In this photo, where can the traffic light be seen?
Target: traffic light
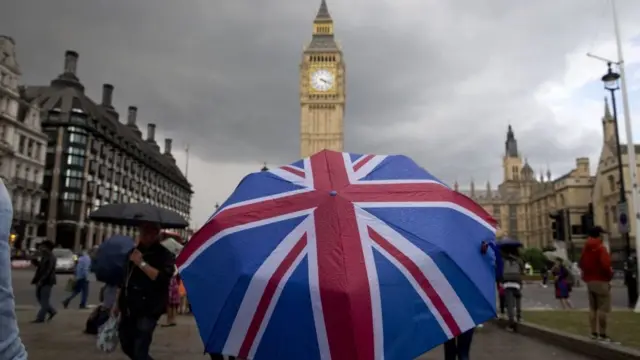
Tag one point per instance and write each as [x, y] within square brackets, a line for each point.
[558, 225]
[586, 220]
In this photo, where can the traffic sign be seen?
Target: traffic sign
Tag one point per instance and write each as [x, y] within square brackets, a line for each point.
[623, 218]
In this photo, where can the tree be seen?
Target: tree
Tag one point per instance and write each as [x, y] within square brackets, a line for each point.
[535, 257]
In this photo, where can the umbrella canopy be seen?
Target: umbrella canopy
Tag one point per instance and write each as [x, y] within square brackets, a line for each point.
[340, 256]
[508, 242]
[134, 214]
[110, 259]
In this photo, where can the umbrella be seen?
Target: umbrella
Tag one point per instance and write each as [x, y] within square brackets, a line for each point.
[133, 214]
[110, 259]
[508, 242]
[340, 256]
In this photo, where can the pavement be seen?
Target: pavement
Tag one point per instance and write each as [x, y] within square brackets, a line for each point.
[535, 297]
[62, 338]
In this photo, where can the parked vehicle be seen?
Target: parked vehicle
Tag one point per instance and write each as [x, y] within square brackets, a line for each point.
[65, 260]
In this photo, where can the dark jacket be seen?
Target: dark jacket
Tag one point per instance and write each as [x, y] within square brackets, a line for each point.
[139, 295]
[595, 262]
[46, 270]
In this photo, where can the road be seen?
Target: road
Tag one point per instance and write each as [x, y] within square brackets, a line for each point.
[534, 295]
[25, 295]
[62, 339]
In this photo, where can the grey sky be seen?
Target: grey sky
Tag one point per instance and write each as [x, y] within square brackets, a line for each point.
[437, 80]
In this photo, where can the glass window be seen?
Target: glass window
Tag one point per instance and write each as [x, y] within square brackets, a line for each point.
[71, 208]
[71, 196]
[75, 160]
[74, 183]
[22, 144]
[77, 138]
[76, 151]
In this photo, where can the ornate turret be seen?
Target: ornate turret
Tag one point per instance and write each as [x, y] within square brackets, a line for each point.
[473, 188]
[456, 186]
[488, 189]
[511, 144]
[322, 39]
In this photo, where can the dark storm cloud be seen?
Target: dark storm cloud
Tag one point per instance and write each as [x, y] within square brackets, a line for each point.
[437, 80]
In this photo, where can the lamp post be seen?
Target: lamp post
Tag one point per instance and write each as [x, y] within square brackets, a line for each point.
[611, 83]
[264, 168]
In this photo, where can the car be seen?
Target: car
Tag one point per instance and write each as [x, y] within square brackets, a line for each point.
[65, 260]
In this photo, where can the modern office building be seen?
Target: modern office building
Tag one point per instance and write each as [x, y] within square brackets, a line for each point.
[94, 159]
[22, 148]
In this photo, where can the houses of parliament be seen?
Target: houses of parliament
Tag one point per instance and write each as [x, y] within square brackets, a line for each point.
[523, 203]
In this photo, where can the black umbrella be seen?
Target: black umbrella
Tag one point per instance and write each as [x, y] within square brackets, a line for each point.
[135, 214]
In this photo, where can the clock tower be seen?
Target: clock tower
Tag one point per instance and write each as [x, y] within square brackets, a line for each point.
[322, 89]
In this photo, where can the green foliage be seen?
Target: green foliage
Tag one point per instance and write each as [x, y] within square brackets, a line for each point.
[535, 257]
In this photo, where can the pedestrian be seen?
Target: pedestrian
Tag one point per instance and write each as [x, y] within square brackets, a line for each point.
[184, 302]
[81, 281]
[45, 279]
[513, 269]
[501, 299]
[544, 273]
[174, 301]
[144, 291]
[597, 273]
[11, 347]
[563, 284]
[459, 347]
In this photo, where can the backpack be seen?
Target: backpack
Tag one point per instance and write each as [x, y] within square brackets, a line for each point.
[512, 270]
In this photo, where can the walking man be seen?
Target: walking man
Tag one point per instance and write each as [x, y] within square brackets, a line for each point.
[81, 285]
[513, 268]
[44, 280]
[597, 273]
[11, 347]
[144, 292]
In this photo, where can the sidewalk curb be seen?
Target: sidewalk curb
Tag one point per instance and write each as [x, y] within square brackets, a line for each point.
[574, 343]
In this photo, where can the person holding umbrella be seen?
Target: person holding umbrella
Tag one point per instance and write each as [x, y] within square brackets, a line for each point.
[143, 294]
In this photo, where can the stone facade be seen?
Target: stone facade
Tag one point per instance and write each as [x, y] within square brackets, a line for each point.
[523, 202]
[322, 89]
[606, 193]
[22, 147]
[93, 159]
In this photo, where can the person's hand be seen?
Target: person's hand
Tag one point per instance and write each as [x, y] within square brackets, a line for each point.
[484, 247]
[115, 311]
[136, 257]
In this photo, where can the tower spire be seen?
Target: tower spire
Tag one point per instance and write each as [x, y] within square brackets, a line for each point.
[607, 111]
[323, 12]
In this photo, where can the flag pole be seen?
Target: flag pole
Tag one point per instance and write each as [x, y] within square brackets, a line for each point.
[631, 149]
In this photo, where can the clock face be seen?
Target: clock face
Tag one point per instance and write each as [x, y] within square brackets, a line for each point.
[322, 80]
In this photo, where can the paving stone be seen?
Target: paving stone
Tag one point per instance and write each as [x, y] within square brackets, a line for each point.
[63, 339]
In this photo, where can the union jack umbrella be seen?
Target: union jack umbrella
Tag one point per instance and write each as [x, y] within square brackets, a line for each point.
[340, 256]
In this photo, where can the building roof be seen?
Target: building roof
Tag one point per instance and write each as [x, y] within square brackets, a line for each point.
[323, 42]
[66, 95]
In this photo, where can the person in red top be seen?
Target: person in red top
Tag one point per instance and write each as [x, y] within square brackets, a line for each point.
[597, 273]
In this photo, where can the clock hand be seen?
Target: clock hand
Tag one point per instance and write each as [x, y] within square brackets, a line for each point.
[324, 81]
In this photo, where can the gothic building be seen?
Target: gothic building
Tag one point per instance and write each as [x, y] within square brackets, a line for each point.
[93, 159]
[22, 148]
[522, 203]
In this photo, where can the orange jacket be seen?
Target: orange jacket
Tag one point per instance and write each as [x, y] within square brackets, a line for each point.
[595, 262]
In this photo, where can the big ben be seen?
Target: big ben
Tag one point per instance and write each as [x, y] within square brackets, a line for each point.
[322, 89]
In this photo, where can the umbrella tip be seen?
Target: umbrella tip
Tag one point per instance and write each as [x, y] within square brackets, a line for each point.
[333, 193]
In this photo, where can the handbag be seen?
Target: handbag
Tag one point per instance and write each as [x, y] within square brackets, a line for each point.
[108, 336]
[71, 285]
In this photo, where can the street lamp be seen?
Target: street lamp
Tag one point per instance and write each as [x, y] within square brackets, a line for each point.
[611, 83]
[264, 168]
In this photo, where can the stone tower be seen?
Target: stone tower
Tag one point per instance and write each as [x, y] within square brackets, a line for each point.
[322, 89]
[511, 162]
